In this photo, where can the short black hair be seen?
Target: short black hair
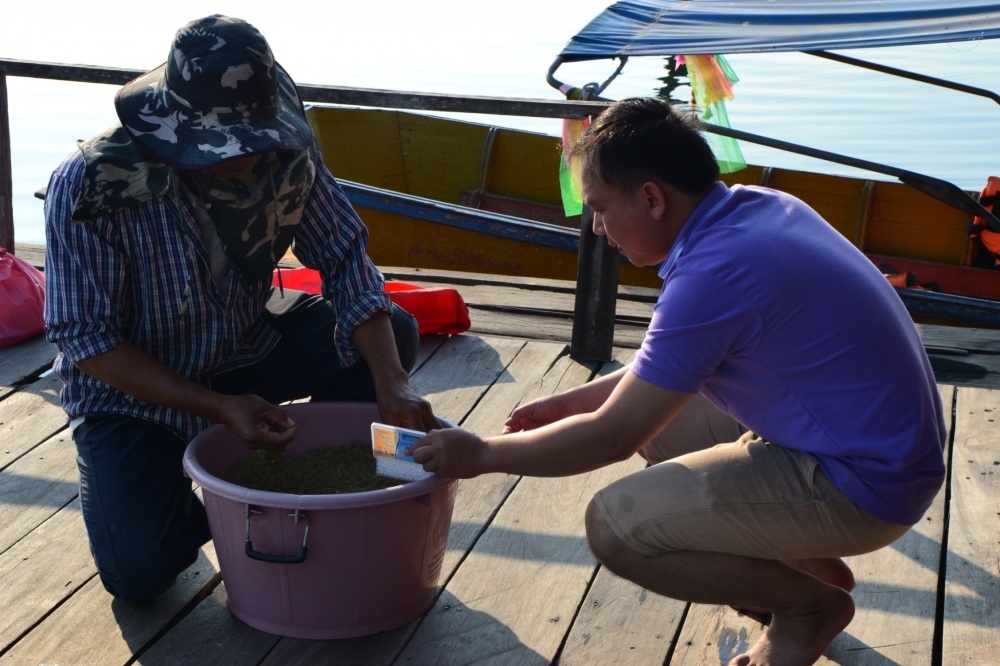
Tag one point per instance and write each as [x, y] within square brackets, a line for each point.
[643, 138]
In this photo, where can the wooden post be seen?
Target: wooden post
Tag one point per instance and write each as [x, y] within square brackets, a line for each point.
[596, 295]
[6, 181]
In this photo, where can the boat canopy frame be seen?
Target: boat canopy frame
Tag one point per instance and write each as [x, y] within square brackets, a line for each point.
[686, 27]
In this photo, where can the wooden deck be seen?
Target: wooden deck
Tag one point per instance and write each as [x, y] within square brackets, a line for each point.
[519, 585]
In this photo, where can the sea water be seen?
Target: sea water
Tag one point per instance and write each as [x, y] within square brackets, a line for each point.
[503, 50]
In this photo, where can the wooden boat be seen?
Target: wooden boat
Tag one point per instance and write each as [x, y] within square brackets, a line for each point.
[440, 193]
[448, 194]
[892, 225]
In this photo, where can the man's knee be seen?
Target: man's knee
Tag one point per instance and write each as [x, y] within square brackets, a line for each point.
[603, 540]
[144, 576]
[145, 588]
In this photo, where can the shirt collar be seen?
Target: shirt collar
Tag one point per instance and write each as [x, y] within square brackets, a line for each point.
[719, 193]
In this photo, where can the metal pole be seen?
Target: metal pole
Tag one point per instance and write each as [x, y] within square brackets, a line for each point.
[6, 182]
[596, 295]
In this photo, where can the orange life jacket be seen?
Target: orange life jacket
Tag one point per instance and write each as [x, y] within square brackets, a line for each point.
[989, 198]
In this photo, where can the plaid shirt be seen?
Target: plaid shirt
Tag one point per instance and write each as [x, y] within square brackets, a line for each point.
[141, 275]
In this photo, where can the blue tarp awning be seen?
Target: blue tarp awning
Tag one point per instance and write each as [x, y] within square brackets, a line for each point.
[689, 27]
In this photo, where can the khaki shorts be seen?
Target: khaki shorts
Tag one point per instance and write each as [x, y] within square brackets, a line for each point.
[746, 497]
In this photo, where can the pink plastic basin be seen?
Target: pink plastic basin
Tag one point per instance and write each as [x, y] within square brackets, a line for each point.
[322, 566]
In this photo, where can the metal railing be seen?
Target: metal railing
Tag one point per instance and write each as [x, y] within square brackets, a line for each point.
[593, 320]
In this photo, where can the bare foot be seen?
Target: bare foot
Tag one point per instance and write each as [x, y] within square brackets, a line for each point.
[798, 636]
[832, 570]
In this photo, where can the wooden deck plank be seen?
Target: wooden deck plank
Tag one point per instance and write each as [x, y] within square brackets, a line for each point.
[974, 369]
[36, 486]
[972, 588]
[375, 650]
[533, 549]
[28, 417]
[557, 328]
[210, 634]
[41, 571]
[92, 628]
[461, 279]
[24, 360]
[713, 635]
[429, 344]
[479, 499]
[515, 295]
[453, 379]
[969, 339]
[498, 306]
[620, 622]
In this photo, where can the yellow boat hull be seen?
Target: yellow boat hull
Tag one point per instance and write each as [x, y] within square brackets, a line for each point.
[463, 166]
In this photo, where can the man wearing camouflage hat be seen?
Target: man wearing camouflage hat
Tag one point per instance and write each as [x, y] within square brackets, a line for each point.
[162, 237]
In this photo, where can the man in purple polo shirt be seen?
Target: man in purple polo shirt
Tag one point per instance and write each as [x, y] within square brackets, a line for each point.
[781, 389]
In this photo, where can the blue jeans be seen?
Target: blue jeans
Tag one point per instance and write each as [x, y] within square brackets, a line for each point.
[144, 522]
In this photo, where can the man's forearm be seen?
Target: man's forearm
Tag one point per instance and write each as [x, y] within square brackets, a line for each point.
[132, 371]
[377, 344]
[592, 395]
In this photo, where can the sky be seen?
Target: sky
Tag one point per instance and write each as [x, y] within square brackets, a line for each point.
[495, 49]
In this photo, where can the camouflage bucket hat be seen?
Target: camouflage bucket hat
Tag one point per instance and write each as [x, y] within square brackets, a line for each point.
[219, 95]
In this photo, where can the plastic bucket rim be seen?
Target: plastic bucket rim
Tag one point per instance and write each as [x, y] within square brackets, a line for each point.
[405, 490]
[245, 495]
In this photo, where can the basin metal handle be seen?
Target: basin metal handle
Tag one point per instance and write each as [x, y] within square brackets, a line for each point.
[277, 559]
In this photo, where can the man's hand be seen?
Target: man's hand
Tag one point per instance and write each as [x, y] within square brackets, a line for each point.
[400, 406]
[257, 422]
[452, 453]
[551, 408]
[537, 413]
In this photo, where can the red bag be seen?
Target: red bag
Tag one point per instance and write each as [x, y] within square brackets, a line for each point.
[22, 298]
[438, 310]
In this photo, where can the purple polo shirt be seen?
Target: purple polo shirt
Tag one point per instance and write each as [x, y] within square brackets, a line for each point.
[778, 320]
